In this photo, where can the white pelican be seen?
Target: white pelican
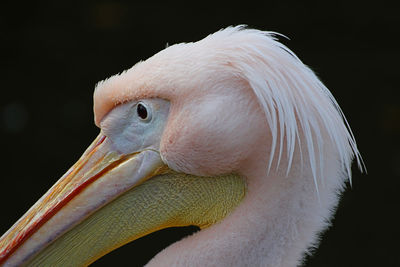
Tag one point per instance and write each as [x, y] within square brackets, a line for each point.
[232, 133]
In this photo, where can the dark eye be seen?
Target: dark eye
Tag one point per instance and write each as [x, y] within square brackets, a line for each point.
[142, 111]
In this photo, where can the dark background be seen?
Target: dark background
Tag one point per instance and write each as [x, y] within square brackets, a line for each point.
[53, 53]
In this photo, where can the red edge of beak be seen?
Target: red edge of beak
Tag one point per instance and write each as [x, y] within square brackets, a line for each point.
[18, 239]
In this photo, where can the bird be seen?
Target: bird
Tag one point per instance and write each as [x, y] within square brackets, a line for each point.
[232, 133]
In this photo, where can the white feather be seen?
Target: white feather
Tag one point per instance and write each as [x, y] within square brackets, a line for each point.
[293, 99]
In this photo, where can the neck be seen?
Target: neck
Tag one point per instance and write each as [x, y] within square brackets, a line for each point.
[279, 219]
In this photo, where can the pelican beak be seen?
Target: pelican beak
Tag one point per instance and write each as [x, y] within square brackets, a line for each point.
[97, 178]
[106, 200]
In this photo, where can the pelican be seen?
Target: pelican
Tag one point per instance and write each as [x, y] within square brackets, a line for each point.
[233, 134]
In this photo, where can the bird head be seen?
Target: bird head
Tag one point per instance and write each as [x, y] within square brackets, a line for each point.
[180, 136]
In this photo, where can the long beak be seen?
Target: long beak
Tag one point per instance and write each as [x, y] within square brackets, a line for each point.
[98, 177]
[106, 200]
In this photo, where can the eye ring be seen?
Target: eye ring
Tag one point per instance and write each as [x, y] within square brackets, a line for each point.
[142, 112]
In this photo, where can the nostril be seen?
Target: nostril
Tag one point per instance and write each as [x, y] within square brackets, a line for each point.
[101, 140]
[96, 143]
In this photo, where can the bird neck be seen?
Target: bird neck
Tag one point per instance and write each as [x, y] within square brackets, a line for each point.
[278, 220]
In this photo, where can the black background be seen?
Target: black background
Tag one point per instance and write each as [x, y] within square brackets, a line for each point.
[53, 53]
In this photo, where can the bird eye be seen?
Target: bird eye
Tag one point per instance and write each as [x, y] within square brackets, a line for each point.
[142, 111]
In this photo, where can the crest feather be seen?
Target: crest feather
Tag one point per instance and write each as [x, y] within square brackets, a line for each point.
[294, 100]
[297, 105]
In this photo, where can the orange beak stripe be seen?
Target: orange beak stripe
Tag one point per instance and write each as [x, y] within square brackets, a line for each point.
[50, 205]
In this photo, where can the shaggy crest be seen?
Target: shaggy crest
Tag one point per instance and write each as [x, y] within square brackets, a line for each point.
[289, 90]
[294, 100]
